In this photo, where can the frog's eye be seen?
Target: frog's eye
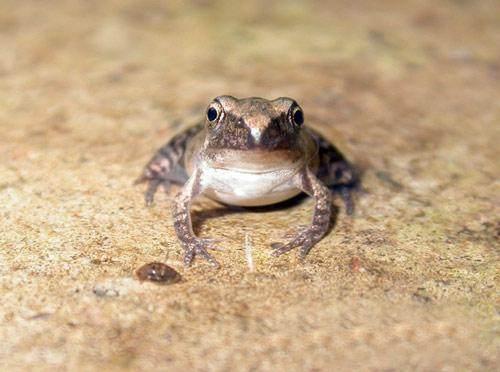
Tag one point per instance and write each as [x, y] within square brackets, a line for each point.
[214, 112]
[297, 116]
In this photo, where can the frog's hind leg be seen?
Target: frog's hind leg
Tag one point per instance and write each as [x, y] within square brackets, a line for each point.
[337, 172]
[166, 166]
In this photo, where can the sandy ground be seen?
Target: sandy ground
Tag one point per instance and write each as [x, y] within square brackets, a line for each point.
[410, 89]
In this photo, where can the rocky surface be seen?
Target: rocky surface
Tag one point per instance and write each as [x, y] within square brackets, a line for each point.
[88, 90]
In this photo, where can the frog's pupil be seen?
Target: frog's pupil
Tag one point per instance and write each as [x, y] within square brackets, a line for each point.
[298, 117]
[211, 114]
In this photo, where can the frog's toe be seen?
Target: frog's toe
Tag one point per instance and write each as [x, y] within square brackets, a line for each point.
[301, 241]
[153, 186]
[276, 245]
[199, 248]
[282, 248]
[304, 250]
[207, 256]
[188, 257]
[347, 193]
[149, 195]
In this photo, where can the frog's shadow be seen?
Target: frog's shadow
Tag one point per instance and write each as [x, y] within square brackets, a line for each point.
[199, 217]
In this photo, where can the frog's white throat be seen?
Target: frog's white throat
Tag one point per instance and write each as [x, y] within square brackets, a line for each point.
[250, 187]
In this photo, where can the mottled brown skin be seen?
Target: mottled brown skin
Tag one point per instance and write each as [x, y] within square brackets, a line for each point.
[260, 138]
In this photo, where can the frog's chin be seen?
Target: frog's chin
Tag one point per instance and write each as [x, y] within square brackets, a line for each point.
[262, 170]
[255, 162]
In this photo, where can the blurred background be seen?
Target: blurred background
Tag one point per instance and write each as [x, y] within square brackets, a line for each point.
[408, 89]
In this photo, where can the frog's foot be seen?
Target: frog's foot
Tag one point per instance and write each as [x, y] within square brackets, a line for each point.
[159, 175]
[304, 240]
[199, 247]
[346, 193]
[153, 185]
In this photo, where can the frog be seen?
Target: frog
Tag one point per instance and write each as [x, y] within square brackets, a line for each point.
[251, 152]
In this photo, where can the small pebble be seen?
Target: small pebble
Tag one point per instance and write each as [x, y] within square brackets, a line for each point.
[158, 272]
[101, 290]
[356, 266]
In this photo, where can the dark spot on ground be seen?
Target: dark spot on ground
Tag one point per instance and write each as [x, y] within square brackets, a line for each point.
[158, 272]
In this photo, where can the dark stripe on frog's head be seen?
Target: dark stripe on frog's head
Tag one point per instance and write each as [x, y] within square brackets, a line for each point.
[252, 123]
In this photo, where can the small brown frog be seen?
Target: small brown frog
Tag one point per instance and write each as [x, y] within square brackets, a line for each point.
[251, 152]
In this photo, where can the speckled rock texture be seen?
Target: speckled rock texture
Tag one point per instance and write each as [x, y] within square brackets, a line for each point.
[409, 89]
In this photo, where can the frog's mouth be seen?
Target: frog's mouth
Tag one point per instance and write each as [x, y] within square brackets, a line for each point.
[255, 162]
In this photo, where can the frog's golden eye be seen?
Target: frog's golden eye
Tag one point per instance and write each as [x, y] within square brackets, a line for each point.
[214, 112]
[297, 116]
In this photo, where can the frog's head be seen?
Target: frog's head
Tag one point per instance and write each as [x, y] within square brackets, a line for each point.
[253, 123]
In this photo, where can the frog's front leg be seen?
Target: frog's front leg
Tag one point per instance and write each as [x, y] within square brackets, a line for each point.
[183, 225]
[307, 238]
